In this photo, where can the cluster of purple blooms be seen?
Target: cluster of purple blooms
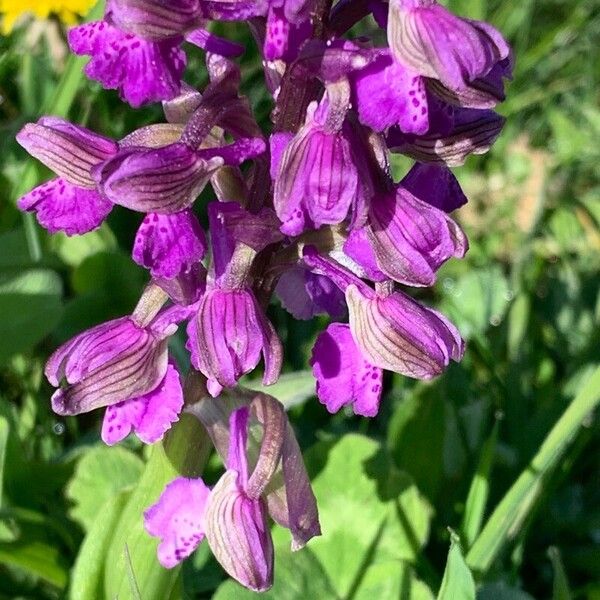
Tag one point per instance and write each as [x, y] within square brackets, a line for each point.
[314, 217]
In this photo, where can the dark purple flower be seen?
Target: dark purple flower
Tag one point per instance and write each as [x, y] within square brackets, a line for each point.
[459, 132]
[167, 180]
[429, 39]
[228, 336]
[344, 376]
[234, 514]
[109, 363]
[304, 294]
[169, 244]
[411, 238]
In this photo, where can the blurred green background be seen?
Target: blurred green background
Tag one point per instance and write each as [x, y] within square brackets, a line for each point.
[439, 456]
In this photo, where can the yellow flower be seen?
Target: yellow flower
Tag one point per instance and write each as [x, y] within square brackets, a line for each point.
[67, 10]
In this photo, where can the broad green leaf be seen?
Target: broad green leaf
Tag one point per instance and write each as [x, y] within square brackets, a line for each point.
[75, 249]
[86, 576]
[416, 438]
[479, 490]
[32, 298]
[36, 558]
[291, 389]
[391, 579]
[183, 452]
[508, 518]
[424, 440]
[457, 583]
[14, 249]
[560, 585]
[101, 473]
[298, 576]
[369, 511]
[473, 9]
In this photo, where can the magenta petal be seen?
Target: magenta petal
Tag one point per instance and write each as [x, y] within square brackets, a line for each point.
[61, 206]
[178, 519]
[388, 93]
[343, 375]
[169, 244]
[141, 70]
[150, 415]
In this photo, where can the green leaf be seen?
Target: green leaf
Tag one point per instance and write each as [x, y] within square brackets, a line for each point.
[508, 518]
[86, 576]
[560, 585]
[457, 583]
[376, 513]
[36, 558]
[3, 444]
[100, 474]
[298, 576]
[391, 579]
[73, 250]
[479, 490]
[291, 389]
[416, 438]
[32, 298]
[501, 591]
[183, 452]
[477, 299]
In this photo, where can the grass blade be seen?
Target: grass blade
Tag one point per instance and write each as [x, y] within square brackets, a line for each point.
[511, 513]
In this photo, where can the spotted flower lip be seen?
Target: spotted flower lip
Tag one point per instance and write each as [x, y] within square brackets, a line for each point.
[149, 415]
[168, 245]
[344, 376]
[428, 38]
[142, 71]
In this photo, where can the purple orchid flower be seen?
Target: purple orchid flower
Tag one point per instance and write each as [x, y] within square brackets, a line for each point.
[70, 202]
[393, 331]
[121, 362]
[233, 516]
[320, 177]
[428, 38]
[230, 331]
